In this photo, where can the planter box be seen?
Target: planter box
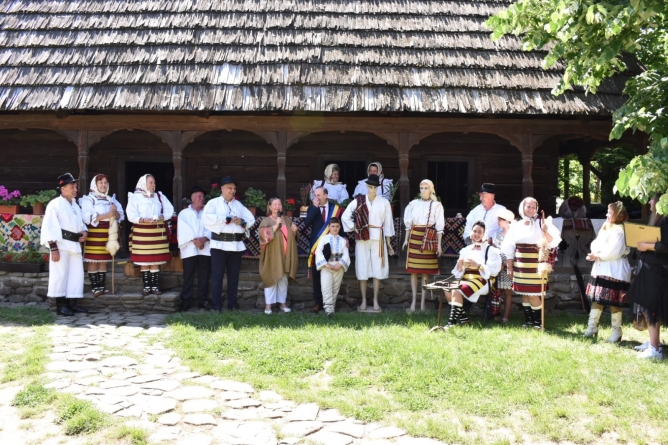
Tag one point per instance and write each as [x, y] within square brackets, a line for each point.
[21, 267]
[12, 210]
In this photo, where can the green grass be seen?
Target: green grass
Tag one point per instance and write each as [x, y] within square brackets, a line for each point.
[78, 416]
[470, 385]
[131, 435]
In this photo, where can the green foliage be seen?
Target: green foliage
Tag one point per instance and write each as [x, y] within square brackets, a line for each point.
[42, 196]
[393, 191]
[33, 395]
[593, 40]
[78, 416]
[255, 198]
[136, 436]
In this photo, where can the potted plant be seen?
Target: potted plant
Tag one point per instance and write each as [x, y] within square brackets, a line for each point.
[29, 260]
[214, 192]
[38, 201]
[305, 195]
[290, 204]
[254, 199]
[393, 191]
[9, 201]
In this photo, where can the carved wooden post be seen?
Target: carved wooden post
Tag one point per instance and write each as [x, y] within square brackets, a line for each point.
[527, 165]
[281, 154]
[585, 159]
[404, 183]
[82, 149]
[177, 182]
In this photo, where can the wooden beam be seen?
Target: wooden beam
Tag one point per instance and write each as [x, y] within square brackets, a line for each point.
[82, 149]
[404, 184]
[281, 154]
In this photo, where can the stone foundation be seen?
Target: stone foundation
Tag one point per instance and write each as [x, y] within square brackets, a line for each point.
[395, 292]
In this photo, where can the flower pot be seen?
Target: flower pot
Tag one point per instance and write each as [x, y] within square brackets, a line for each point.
[38, 208]
[303, 210]
[253, 210]
[289, 213]
[21, 267]
[12, 210]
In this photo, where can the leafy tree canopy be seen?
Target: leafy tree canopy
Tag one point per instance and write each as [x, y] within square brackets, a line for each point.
[594, 40]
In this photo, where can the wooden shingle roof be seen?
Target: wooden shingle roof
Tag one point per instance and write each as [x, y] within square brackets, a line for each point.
[265, 55]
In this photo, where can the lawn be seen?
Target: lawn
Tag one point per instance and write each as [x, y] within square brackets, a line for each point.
[474, 385]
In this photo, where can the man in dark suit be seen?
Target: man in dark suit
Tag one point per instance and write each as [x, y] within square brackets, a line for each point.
[317, 218]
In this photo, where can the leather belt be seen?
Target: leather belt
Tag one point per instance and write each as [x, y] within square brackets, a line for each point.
[70, 236]
[228, 237]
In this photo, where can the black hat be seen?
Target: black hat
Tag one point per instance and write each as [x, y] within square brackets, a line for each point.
[227, 180]
[196, 189]
[487, 187]
[373, 180]
[65, 179]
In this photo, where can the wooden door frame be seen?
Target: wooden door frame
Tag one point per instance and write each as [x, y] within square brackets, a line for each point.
[469, 160]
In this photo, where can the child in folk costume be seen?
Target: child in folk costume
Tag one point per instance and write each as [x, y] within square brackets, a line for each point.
[611, 274]
[332, 259]
[148, 210]
[63, 231]
[370, 217]
[478, 263]
[98, 210]
[521, 246]
[336, 191]
[503, 282]
[424, 220]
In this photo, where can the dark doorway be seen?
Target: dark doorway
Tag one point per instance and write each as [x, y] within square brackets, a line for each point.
[351, 172]
[451, 183]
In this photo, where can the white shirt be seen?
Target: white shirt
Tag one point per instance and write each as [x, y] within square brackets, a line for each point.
[489, 269]
[417, 214]
[215, 213]
[190, 226]
[491, 218]
[62, 215]
[139, 206]
[335, 192]
[384, 189]
[92, 207]
[610, 248]
[380, 215]
[338, 246]
[521, 233]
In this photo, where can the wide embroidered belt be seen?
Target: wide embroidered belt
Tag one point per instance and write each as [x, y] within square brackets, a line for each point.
[227, 237]
[70, 236]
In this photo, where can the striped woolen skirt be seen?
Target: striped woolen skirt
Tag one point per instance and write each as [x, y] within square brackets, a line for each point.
[425, 262]
[149, 244]
[526, 279]
[96, 244]
[471, 284]
[608, 291]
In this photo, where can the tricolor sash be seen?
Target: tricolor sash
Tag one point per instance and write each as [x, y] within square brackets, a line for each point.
[324, 230]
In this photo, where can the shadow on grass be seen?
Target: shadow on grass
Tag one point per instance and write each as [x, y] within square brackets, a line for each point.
[26, 316]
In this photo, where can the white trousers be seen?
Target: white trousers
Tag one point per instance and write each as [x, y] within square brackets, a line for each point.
[66, 277]
[330, 283]
[368, 263]
[277, 293]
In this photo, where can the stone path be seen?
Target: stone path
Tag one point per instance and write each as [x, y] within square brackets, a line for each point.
[116, 362]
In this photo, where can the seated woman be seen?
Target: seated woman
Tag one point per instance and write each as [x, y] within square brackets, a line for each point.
[336, 191]
[477, 263]
[278, 258]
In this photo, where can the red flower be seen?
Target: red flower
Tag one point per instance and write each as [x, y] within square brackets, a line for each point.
[214, 186]
[291, 201]
[16, 233]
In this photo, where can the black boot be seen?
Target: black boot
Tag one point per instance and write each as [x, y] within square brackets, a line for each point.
[69, 303]
[528, 318]
[155, 280]
[146, 278]
[61, 307]
[536, 314]
[92, 276]
[101, 283]
[455, 315]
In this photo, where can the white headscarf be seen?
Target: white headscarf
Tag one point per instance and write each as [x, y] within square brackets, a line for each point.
[380, 170]
[432, 191]
[94, 190]
[329, 171]
[522, 215]
[142, 187]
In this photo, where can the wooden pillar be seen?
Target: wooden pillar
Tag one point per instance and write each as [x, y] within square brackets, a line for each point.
[82, 149]
[585, 160]
[567, 177]
[404, 183]
[527, 165]
[177, 182]
[281, 154]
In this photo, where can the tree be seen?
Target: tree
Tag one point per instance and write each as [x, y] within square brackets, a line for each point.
[596, 39]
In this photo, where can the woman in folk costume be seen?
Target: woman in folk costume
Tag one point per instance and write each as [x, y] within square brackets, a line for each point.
[424, 220]
[98, 210]
[278, 255]
[521, 247]
[503, 282]
[336, 191]
[148, 210]
[384, 184]
[370, 217]
[611, 274]
[478, 263]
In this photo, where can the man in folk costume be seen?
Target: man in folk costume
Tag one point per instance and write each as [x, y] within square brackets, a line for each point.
[478, 264]
[332, 260]
[336, 191]
[370, 217]
[521, 246]
[384, 184]
[98, 210]
[318, 217]
[488, 210]
[424, 220]
[63, 231]
[150, 213]
[228, 220]
[195, 249]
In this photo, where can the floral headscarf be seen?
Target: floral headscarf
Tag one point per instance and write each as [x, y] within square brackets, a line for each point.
[142, 187]
[524, 201]
[94, 190]
[329, 171]
[432, 191]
